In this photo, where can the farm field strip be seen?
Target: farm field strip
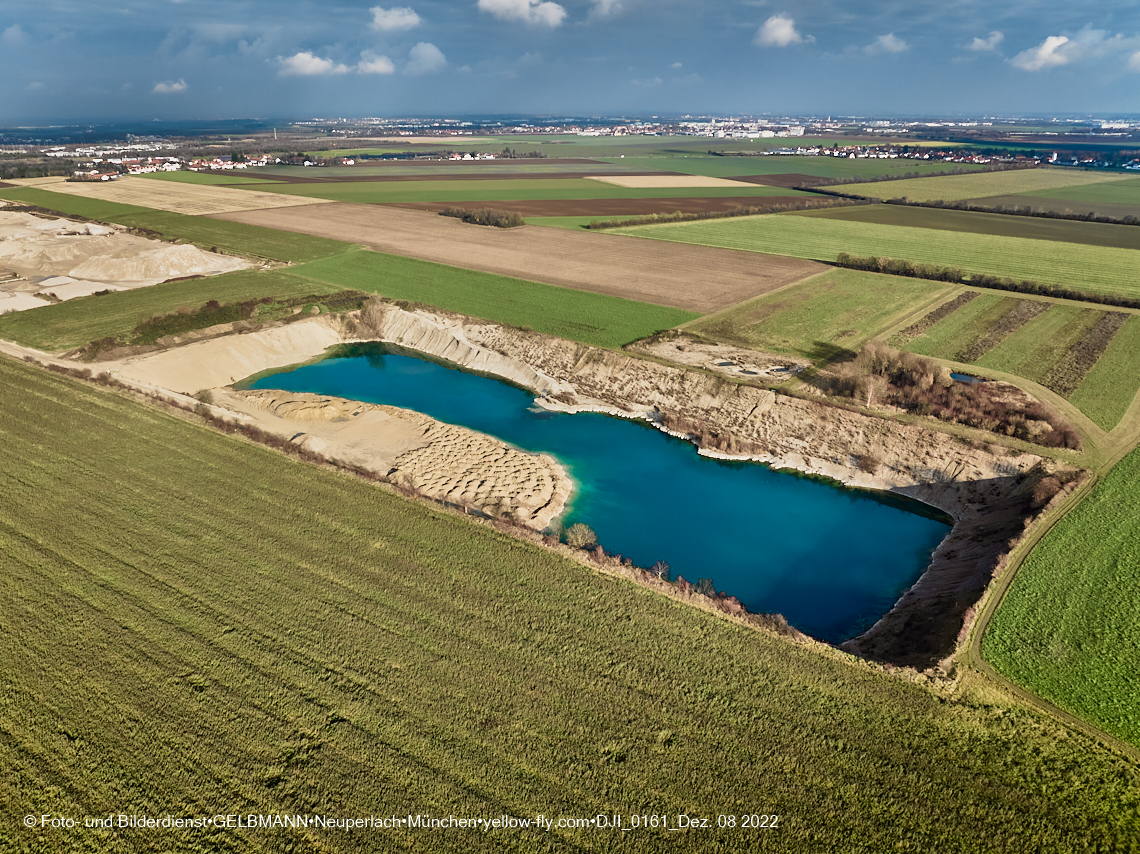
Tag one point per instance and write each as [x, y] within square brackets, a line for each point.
[402, 192]
[998, 225]
[1018, 313]
[1113, 383]
[207, 178]
[1071, 370]
[176, 197]
[318, 645]
[1067, 628]
[956, 188]
[1115, 210]
[948, 337]
[207, 233]
[686, 277]
[667, 182]
[1032, 351]
[1126, 191]
[778, 164]
[598, 319]
[1087, 268]
[824, 315]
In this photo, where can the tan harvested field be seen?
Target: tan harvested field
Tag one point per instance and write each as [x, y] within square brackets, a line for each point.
[667, 182]
[694, 278]
[605, 208]
[193, 199]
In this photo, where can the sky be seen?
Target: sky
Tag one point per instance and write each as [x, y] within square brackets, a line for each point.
[64, 61]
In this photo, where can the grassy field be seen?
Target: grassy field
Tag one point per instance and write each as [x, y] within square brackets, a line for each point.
[1046, 202]
[1033, 350]
[1123, 192]
[205, 627]
[207, 233]
[839, 309]
[1069, 627]
[1033, 228]
[544, 189]
[604, 321]
[1114, 382]
[1095, 269]
[955, 188]
[205, 178]
[946, 338]
[76, 322]
[790, 164]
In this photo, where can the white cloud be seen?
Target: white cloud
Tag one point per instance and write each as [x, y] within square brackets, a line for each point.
[647, 84]
[779, 31]
[1049, 54]
[305, 64]
[13, 36]
[170, 87]
[538, 12]
[605, 8]
[1134, 62]
[35, 86]
[425, 58]
[372, 63]
[394, 19]
[676, 65]
[888, 43]
[989, 43]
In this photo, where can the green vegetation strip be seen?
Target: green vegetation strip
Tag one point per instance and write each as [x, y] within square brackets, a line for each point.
[207, 178]
[1069, 627]
[1071, 369]
[955, 188]
[603, 321]
[973, 222]
[823, 316]
[1019, 313]
[948, 337]
[1086, 268]
[931, 318]
[1033, 350]
[232, 237]
[200, 624]
[76, 322]
[1114, 382]
[1122, 192]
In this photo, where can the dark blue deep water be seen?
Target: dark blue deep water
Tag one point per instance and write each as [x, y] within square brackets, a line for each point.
[831, 560]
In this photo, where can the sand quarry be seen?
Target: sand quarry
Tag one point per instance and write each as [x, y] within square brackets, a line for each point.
[73, 259]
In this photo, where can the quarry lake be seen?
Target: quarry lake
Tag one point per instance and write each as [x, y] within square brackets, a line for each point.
[831, 560]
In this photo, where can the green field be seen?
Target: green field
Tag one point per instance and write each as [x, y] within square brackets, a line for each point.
[1069, 627]
[1093, 269]
[1114, 382]
[1033, 350]
[946, 338]
[785, 164]
[956, 188]
[76, 322]
[603, 321]
[1046, 202]
[519, 189]
[201, 626]
[1122, 192]
[234, 237]
[1033, 228]
[205, 177]
[838, 309]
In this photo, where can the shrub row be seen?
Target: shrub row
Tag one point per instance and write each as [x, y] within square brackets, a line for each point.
[1074, 366]
[486, 216]
[898, 267]
[941, 313]
[1023, 312]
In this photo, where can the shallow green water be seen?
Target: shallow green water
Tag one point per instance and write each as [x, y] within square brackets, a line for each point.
[831, 560]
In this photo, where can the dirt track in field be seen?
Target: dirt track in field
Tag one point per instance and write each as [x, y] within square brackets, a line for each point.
[603, 208]
[695, 278]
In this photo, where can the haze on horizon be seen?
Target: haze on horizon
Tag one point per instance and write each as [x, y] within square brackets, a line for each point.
[65, 61]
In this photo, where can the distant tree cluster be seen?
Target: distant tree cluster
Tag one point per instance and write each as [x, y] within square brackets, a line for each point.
[486, 216]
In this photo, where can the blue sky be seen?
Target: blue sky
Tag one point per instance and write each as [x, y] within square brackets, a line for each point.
[75, 60]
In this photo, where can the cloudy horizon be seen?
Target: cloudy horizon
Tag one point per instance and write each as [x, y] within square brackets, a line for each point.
[197, 59]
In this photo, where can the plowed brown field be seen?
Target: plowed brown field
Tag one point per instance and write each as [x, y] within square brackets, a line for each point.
[695, 278]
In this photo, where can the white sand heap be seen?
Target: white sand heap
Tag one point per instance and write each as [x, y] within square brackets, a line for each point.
[73, 259]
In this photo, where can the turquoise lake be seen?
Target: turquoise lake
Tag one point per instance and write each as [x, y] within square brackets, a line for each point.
[831, 560]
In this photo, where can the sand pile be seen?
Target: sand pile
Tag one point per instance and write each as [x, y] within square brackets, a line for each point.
[441, 460]
[164, 262]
